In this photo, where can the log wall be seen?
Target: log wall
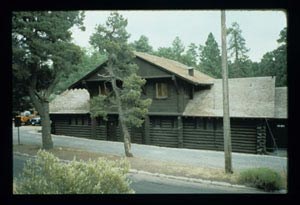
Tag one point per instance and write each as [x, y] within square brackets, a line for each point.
[163, 131]
[248, 135]
[72, 125]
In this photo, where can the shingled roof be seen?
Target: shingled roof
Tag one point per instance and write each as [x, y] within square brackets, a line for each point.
[75, 101]
[248, 97]
[176, 68]
[254, 97]
[281, 102]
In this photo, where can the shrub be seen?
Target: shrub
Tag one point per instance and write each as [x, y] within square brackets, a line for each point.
[48, 175]
[262, 178]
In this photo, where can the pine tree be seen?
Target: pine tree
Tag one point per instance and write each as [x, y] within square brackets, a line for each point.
[111, 40]
[190, 58]
[142, 45]
[42, 54]
[274, 63]
[210, 58]
[174, 52]
[90, 59]
[238, 52]
[177, 48]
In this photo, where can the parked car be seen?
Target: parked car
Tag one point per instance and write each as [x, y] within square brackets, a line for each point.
[35, 121]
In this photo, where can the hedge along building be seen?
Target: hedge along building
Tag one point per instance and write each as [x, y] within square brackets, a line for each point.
[186, 109]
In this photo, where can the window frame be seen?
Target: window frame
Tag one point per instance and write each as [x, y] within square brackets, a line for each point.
[157, 96]
[103, 89]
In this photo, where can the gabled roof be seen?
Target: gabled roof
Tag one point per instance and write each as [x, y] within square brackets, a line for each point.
[281, 102]
[168, 65]
[176, 68]
[75, 101]
[248, 97]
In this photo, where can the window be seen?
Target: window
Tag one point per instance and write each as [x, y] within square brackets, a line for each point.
[103, 89]
[161, 90]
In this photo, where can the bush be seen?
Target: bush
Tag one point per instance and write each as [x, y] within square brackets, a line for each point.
[48, 175]
[262, 178]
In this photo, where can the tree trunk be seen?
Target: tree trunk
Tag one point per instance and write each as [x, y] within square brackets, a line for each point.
[127, 143]
[42, 106]
[46, 127]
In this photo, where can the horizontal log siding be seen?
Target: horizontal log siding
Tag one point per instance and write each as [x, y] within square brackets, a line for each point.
[62, 126]
[195, 136]
[101, 130]
[198, 133]
[168, 104]
[163, 131]
[137, 135]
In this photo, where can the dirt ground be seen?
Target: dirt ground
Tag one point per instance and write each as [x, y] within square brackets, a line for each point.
[152, 166]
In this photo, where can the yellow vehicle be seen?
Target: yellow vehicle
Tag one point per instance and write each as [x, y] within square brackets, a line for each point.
[26, 117]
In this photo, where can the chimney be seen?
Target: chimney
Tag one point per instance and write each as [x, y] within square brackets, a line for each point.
[191, 71]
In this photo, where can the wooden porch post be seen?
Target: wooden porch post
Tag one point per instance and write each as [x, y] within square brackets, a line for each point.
[180, 131]
[93, 126]
[147, 130]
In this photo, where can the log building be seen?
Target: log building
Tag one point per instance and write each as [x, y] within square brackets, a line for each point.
[186, 109]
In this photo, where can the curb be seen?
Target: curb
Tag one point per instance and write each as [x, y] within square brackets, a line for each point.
[188, 179]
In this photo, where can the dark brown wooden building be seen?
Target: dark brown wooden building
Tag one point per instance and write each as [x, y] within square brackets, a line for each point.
[186, 109]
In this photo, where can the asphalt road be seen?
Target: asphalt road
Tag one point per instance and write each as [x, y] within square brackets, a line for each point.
[147, 184]
[201, 158]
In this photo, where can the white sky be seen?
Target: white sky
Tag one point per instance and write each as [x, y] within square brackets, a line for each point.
[260, 28]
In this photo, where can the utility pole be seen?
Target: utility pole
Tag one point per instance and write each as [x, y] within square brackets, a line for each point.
[226, 118]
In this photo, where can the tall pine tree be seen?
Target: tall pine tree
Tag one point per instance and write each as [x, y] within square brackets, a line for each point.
[210, 57]
[142, 45]
[190, 57]
[111, 40]
[274, 63]
[42, 53]
[240, 65]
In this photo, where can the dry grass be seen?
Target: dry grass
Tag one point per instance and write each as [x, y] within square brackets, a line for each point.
[152, 166]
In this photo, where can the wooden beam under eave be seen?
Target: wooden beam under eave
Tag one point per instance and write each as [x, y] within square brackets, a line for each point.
[175, 83]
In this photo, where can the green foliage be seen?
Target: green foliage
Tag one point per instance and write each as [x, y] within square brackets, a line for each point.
[177, 52]
[111, 40]
[210, 57]
[262, 178]
[48, 175]
[20, 98]
[190, 58]
[99, 105]
[174, 52]
[241, 65]
[42, 48]
[135, 108]
[42, 53]
[142, 45]
[165, 52]
[237, 44]
[177, 48]
[274, 63]
[90, 59]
